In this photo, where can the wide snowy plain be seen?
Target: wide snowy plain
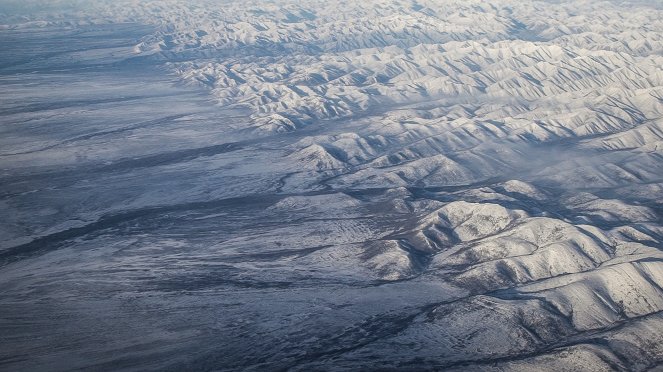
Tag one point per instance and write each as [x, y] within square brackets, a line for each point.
[331, 185]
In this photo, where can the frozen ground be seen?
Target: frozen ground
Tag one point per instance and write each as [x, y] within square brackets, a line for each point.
[332, 186]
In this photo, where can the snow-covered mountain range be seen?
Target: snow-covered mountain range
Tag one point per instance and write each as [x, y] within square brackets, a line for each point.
[331, 185]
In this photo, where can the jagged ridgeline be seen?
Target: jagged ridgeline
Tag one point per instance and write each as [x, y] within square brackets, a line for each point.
[331, 185]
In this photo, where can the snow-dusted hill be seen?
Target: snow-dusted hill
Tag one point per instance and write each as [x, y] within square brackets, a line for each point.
[331, 185]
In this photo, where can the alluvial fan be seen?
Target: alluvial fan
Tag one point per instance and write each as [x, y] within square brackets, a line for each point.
[331, 185]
